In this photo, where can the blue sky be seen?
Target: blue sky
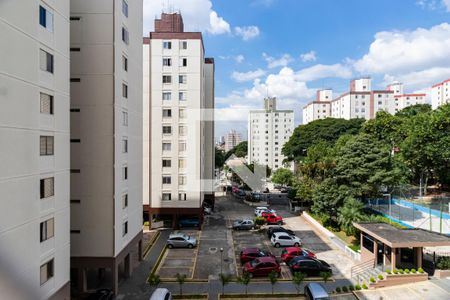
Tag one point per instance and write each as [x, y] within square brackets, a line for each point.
[290, 48]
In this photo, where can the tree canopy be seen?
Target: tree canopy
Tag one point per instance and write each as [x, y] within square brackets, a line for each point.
[240, 150]
[283, 176]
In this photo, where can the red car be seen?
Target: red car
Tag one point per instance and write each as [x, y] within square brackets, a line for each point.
[290, 252]
[249, 254]
[272, 218]
[262, 266]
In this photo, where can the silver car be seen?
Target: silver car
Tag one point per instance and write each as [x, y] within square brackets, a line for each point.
[181, 240]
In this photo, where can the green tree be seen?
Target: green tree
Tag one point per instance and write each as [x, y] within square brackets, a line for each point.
[219, 158]
[224, 279]
[181, 279]
[328, 196]
[273, 278]
[244, 280]
[414, 110]
[351, 211]
[153, 280]
[240, 150]
[283, 176]
[319, 161]
[325, 276]
[298, 279]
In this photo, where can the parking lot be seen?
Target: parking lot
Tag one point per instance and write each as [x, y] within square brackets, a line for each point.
[206, 261]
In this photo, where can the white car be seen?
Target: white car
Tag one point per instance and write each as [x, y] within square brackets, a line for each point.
[267, 210]
[260, 208]
[282, 239]
[161, 294]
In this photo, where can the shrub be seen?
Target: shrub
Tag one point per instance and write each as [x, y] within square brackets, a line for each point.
[395, 271]
[406, 271]
[344, 289]
[420, 271]
[380, 277]
[443, 263]
[388, 271]
[372, 280]
[338, 290]
[146, 223]
[260, 221]
[364, 286]
[413, 271]
[351, 287]
[401, 271]
[357, 287]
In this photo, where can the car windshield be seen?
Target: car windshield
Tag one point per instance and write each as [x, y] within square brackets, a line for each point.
[254, 263]
[262, 253]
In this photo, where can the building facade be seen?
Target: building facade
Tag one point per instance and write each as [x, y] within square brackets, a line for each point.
[179, 85]
[106, 140]
[360, 102]
[232, 139]
[268, 130]
[34, 152]
[440, 93]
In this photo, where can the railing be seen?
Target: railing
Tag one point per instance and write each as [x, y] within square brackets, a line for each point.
[362, 267]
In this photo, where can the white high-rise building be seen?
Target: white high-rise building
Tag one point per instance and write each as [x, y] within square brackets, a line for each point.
[440, 93]
[320, 108]
[268, 130]
[179, 85]
[106, 141]
[232, 139]
[35, 150]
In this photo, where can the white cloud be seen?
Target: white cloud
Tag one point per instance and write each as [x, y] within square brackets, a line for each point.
[308, 56]
[447, 4]
[247, 32]
[247, 76]
[434, 4]
[198, 15]
[420, 79]
[239, 58]
[324, 71]
[407, 51]
[273, 62]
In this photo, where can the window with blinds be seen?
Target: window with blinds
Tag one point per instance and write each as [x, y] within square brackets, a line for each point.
[47, 187]
[47, 271]
[47, 229]
[46, 145]
[46, 61]
[46, 104]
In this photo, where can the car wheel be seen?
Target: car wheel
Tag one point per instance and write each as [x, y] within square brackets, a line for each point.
[190, 246]
[170, 246]
[277, 245]
[296, 245]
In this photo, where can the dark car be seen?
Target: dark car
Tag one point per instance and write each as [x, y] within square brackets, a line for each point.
[243, 225]
[189, 222]
[255, 197]
[308, 265]
[240, 194]
[249, 254]
[290, 252]
[262, 266]
[101, 294]
[272, 230]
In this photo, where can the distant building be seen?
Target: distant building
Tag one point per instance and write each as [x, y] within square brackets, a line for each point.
[232, 139]
[440, 93]
[268, 130]
[360, 102]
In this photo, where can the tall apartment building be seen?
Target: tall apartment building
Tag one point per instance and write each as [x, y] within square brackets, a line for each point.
[106, 140]
[360, 102]
[268, 130]
[34, 151]
[232, 139]
[179, 85]
[440, 93]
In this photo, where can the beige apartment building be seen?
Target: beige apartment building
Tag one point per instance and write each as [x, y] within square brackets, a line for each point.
[106, 141]
[178, 122]
[34, 151]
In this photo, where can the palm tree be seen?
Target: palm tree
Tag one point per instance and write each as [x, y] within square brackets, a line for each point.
[224, 279]
[352, 211]
[181, 279]
[245, 280]
[273, 277]
[154, 280]
[297, 279]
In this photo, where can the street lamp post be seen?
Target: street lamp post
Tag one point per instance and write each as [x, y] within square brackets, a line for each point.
[221, 259]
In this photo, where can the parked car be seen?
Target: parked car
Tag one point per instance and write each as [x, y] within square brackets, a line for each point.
[241, 194]
[282, 239]
[308, 265]
[267, 210]
[274, 229]
[234, 189]
[260, 209]
[101, 294]
[181, 240]
[262, 266]
[284, 190]
[255, 197]
[272, 218]
[315, 291]
[189, 222]
[249, 254]
[290, 252]
[161, 294]
[243, 224]
[207, 210]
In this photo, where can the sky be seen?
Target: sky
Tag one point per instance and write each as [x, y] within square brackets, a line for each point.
[290, 48]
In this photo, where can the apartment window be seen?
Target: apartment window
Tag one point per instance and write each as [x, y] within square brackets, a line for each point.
[181, 196]
[183, 45]
[47, 271]
[125, 118]
[166, 196]
[46, 61]
[125, 228]
[46, 18]
[182, 113]
[167, 62]
[166, 163]
[181, 163]
[182, 130]
[380, 103]
[167, 129]
[124, 201]
[182, 180]
[125, 173]
[125, 8]
[166, 146]
[124, 63]
[167, 79]
[124, 145]
[182, 96]
[75, 140]
[182, 146]
[47, 229]
[167, 96]
[124, 90]
[167, 45]
[75, 79]
[167, 113]
[125, 36]
[184, 62]
[46, 145]
[166, 179]
[47, 187]
[182, 79]
[46, 104]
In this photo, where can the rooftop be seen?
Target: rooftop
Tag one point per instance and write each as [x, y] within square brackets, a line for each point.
[400, 238]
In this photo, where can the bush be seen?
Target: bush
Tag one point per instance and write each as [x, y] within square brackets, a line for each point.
[364, 286]
[406, 271]
[146, 223]
[420, 271]
[351, 288]
[388, 272]
[338, 290]
[395, 271]
[380, 277]
[400, 271]
[413, 271]
[372, 280]
[260, 221]
[357, 287]
[443, 263]
[344, 289]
